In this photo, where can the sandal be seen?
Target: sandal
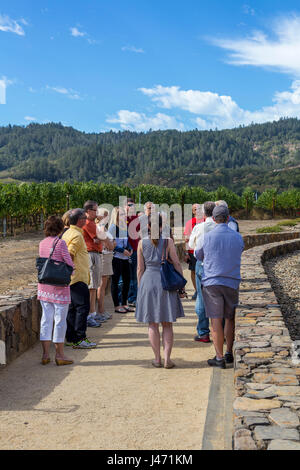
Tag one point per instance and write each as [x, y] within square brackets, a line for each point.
[129, 309]
[121, 310]
[169, 365]
[156, 364]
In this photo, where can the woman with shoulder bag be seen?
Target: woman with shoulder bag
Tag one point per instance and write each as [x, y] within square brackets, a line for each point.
[154, 304]
[54, 299]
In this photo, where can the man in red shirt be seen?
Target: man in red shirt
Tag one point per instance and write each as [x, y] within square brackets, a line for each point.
[94, 247]
[133, 227]
[189, 254]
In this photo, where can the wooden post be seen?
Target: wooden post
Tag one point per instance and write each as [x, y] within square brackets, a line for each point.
[4, 226]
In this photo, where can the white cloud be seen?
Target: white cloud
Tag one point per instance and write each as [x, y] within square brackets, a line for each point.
[11, 26]
[248, 10]
[194, 101]
[76, 33]
[133, 49]
[209, 110]
[280, 52]
[30, 118]
[72, 94]
[140, 122]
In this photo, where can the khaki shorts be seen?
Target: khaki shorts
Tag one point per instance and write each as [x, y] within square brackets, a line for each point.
[107, 269]
[220, 301]
[95, 265]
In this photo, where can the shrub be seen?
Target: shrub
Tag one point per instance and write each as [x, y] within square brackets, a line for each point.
[274, 228]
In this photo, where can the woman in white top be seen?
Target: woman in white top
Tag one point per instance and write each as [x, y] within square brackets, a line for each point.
[107, 256]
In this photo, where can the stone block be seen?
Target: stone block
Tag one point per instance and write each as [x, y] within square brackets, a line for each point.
[260, 354]
[262, 433]
[256, 386]
[278, 379]
[256, 420]
[267, 393]
[280, 444]
[289, 390]
[243, 440]
[252, 404]
[284, 418]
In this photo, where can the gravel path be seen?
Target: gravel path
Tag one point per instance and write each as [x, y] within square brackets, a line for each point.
[284, 273]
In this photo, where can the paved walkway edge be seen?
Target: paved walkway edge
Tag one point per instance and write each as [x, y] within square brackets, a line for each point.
[219, 417]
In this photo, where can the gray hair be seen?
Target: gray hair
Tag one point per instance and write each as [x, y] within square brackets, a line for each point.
[75, 215]
[148, 202]
[208, 207]
[221, 203]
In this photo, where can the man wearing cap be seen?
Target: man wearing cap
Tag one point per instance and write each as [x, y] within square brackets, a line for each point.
[221, 250]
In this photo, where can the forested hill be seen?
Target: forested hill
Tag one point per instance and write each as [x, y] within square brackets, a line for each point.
[234, 158]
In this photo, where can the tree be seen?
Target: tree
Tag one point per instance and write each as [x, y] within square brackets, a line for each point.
[248, 200]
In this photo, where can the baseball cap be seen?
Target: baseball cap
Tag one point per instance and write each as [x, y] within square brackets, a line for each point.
[220, 211]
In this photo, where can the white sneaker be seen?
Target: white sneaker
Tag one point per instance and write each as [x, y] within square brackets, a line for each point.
[100, 317]
[92, 323]
[107, 315]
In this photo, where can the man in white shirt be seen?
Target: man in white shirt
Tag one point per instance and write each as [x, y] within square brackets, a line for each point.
[196, 239]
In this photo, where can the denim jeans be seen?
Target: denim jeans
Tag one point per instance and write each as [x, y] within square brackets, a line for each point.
[132, 294]
[120, 268]
[203, 322]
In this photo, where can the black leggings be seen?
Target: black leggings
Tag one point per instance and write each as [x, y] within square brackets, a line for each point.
[121, 268]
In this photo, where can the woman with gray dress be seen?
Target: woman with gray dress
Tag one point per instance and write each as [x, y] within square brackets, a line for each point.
[155, 305]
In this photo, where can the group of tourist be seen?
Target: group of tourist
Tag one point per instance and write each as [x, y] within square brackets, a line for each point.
[126, 248]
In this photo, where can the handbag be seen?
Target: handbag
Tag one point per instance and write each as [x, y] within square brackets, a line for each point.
[170, 278]
[50, 271]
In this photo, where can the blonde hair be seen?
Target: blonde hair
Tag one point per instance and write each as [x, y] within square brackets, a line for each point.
[66, 218]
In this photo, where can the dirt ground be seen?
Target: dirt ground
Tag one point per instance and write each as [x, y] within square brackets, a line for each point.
[17, 255]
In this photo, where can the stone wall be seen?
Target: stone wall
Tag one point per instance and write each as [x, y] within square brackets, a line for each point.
[19, 323]
[250, 241]
[265, 238]
[267, 367]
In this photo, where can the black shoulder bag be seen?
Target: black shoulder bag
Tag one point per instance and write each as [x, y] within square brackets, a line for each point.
[50, 271]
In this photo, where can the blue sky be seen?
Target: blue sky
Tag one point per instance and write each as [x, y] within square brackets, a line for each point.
[128, 64]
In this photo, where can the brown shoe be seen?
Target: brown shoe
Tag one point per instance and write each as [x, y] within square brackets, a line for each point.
[63, 362]
[45, 361]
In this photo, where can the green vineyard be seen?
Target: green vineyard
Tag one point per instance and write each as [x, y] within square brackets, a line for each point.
[32, 201]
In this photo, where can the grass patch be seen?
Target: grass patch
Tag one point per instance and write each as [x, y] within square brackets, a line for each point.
[287, 223]
[290, 223]
[274, 228]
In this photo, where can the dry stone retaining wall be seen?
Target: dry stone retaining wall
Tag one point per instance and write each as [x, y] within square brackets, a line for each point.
[19, 323]
[267, 367]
